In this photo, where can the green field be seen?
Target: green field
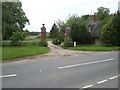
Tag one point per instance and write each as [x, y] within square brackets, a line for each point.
[12, 53]
[92, 48]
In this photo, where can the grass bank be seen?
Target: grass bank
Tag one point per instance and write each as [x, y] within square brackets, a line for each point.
[12, 53]
[93, 48]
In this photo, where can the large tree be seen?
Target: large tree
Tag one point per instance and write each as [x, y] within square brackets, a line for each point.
[54, 31]
[79, 31]
[102, 13]
[13, 18]
[111, 31]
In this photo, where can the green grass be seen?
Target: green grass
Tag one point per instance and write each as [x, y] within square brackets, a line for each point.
[93, 48]
[12, 53]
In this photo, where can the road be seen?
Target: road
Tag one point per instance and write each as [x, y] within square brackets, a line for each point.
[88, 70]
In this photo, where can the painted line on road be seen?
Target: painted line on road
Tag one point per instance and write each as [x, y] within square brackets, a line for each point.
[113, 77]
[82, 64]
[5, 76]
[87, 86]
[102, 81]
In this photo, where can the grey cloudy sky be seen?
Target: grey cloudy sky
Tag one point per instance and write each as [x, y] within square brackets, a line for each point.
[49, 11]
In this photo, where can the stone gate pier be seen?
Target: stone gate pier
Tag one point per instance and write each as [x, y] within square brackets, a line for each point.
[43, 32]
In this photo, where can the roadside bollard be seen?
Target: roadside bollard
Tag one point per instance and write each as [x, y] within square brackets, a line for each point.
[74, 44]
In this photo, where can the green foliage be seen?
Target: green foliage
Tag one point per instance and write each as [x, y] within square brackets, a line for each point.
[102, 13]
[61, 25]
[43, 43]
[111, 32]
[80, 34]
[116, 26]
[56, 41]
[17, 37]
[61, 36]
[79, 31]
[78, 25]
[34, 33]
[33, 43]
[13, 18]
[54, 31]
[68, 42]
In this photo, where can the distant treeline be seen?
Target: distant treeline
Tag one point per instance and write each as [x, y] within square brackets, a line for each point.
[34, 33]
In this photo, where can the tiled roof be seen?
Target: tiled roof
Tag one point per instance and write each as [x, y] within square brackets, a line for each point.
[96, 29]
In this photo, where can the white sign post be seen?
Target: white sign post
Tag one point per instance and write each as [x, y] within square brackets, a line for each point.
[74, 44]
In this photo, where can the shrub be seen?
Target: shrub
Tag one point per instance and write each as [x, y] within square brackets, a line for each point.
[43, 43]
[17, 37]
[56, 41]
[68, 42]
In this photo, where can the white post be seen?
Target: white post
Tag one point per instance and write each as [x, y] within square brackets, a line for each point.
[74, 44]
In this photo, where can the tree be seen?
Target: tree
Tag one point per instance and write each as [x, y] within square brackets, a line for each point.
[61, 26]
[116, 26]
[111, 31]
[78, 25]
[13, 18]
[80, 34]
[54, 31]
[102, 13]
[79, 31]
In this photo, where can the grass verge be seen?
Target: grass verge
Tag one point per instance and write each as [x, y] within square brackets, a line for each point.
[12, 53]
[93, 48]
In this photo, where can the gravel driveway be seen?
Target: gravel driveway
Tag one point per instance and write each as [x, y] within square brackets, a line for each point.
[58, 51]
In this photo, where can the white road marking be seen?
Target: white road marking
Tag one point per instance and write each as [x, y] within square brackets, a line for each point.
[113, 77]
[102, 81]
[85, 63]
[87, 86]
[5, 76]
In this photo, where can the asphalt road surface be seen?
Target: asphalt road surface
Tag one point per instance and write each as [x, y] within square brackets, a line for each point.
[93, 70]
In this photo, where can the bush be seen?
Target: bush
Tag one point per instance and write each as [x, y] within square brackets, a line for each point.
[56, 41]
[43, 43]
[68, 42]
[17, 37]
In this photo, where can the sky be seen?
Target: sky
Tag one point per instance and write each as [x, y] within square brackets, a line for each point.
[50, 11]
